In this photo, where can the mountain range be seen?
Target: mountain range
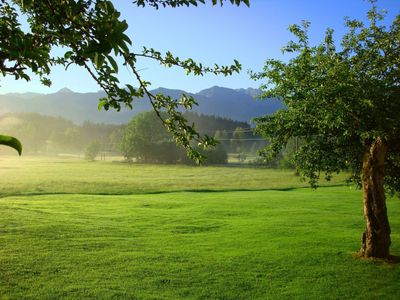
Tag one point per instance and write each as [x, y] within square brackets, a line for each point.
[235, 104]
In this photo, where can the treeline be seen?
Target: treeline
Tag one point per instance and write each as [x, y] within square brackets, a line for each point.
[234, 136]
[41, 134]
[142, 139]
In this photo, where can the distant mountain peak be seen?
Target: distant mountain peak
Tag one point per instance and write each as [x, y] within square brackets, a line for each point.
[65, 90]
[215, 91]
[175, 93]
[238, 105]
[250, 91]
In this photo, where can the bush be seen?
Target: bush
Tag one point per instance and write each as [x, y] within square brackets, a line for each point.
[92, 150]
[215, 156]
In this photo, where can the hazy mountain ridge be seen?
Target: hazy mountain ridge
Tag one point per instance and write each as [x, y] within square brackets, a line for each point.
[234, 104]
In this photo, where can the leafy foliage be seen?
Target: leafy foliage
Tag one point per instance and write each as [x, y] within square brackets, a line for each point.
[92, 150]
[145, 139]
[176, 3]
[339, 101]
[93, 36]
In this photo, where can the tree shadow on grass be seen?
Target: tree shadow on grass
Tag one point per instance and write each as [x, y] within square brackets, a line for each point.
[141, 192]
[284, 189]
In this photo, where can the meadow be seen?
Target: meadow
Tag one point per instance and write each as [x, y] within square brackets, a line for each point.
[71, 229]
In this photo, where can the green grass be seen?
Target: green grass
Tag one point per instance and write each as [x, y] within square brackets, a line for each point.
[160, 241]
[29, 175]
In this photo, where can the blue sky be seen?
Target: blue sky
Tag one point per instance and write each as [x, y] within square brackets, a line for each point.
[213, 34]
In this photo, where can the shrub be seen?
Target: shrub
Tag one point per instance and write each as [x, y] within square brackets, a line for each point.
[92, 150]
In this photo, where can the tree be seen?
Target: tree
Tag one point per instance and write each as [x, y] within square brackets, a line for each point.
[93, 37]
[145, 139]
[92, 150]
[237, 139]
[344, 105]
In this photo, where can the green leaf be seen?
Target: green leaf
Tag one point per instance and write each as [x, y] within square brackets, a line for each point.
[123, 46]
[103, 102]
[68, 54]
[25, 76]
[113, 63]
[131, 89]
[98, 60]
[126, 39]
[11, 142]
[123, 26]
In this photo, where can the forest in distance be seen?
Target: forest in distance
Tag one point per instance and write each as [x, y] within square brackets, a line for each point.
[143, 139]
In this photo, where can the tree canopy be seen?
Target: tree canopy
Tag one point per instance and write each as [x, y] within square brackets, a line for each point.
[92, 35]
[343, 104]
[145, 139]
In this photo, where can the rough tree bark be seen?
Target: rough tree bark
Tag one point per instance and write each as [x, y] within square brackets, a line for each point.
[376, 237]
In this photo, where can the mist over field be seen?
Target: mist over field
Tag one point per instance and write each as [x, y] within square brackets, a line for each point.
[68, 123]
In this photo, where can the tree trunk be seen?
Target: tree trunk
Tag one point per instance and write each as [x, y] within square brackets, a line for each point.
[376, 238]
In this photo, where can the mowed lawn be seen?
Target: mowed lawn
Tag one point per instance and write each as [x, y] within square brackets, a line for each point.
[103, 230]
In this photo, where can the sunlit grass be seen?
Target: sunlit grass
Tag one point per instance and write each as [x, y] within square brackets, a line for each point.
[274, 243]
[34, 175]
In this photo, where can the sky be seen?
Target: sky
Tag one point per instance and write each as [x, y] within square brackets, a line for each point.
[212, 34]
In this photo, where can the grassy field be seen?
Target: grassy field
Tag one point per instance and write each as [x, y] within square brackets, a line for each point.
[78, 230]
[31, 176]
